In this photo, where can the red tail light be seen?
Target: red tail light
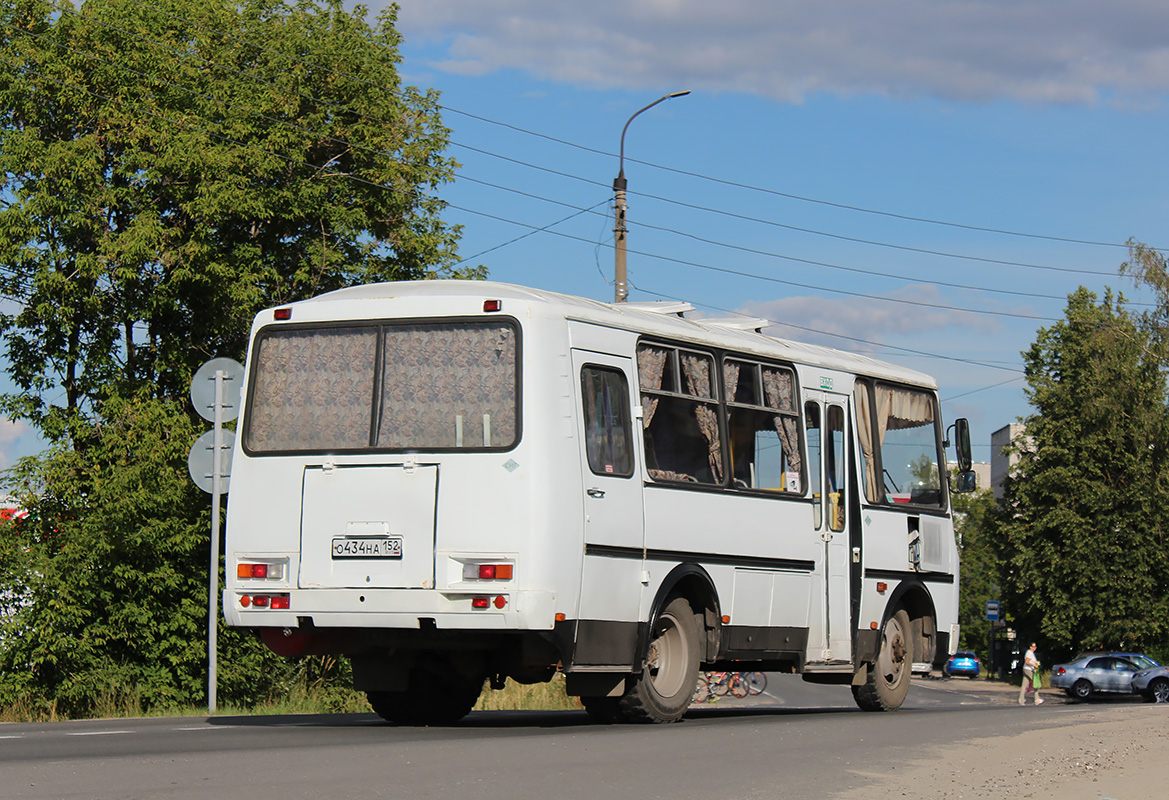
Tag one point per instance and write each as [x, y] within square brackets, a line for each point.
[488, 572]
[480, 602]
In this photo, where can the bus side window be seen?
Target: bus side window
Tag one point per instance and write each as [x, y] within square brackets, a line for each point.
[764, 429]
[812, 426]
[679, 415]
[834, 453]
[608, 431]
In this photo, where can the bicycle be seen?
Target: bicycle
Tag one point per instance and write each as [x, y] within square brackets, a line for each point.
[712, 685]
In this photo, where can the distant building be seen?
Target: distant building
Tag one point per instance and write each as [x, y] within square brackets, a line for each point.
[1000, 462]
[981, 471]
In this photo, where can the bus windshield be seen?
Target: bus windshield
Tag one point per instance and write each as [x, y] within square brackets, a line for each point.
[412, 386]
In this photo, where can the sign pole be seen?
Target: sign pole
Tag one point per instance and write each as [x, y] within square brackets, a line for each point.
[213, 598]
[207, 460]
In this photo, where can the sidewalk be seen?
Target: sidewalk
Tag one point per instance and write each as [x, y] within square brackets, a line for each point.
[1002, 691]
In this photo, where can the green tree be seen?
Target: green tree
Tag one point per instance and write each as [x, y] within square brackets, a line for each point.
[169, 169]
[974, 524]
[166, 171]
[1084, 516]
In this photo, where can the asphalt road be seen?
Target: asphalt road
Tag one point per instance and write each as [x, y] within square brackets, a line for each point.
[797, 740]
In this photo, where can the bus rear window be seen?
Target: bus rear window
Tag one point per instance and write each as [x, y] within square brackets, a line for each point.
[434, 386]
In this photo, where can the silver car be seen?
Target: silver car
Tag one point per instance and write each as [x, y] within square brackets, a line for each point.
[1099, 672]
[1153, 683]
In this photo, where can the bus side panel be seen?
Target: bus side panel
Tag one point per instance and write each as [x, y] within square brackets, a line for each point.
[757, 551]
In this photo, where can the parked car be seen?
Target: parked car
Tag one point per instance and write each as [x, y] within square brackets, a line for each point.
[1090, 673]
[1153, 683]
[962, 663]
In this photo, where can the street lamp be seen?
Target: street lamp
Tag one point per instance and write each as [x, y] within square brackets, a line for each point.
[620, 284]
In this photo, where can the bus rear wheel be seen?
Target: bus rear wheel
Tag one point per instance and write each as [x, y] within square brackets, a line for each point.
[887, 681]
[435, 696]
[665, 687]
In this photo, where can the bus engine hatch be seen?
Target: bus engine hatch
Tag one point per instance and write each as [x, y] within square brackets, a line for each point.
[368, 527]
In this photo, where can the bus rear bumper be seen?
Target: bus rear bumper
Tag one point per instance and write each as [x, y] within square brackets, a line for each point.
[500, 610]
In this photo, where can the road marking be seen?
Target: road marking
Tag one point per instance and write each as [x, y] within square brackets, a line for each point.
[97, 733]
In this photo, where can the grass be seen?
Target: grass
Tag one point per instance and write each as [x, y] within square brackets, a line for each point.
[301, 699]
[536, 697]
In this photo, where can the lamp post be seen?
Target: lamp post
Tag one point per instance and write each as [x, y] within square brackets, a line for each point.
[620, 284]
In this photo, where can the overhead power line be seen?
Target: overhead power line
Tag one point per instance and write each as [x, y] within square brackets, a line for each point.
[768, 278]
[294, 126]
[688, 173]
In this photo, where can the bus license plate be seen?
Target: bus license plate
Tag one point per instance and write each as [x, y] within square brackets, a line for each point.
[367, 547]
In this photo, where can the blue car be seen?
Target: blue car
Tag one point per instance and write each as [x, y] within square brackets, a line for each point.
[962, 663]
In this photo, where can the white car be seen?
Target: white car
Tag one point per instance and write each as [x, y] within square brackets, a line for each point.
[1153, 683]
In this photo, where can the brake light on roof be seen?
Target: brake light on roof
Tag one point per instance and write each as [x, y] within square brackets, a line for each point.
[492, 305]
[282, 314]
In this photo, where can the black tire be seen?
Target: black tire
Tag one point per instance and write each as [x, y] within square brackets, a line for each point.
[756, 682]
[739, 685]
[434, 697]
[1082, 689]
[1158, 690]
[887, 681]
[665, 686]
[605, 710]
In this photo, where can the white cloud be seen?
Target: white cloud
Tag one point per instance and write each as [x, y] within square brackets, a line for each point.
[1035, 51]
[869, 322]
[11, 432]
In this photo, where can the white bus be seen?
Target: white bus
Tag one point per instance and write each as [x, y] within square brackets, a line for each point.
[454, 482]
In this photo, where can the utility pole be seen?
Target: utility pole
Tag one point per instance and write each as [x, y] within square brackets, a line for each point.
[621, 278]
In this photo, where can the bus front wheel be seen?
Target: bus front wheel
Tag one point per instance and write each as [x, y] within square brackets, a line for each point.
[887, 681]
[665, 687]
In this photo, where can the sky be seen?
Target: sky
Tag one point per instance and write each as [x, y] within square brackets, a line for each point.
[920, 180]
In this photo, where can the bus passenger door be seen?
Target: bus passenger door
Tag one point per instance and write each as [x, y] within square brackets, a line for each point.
[611, 485]
[826, 416]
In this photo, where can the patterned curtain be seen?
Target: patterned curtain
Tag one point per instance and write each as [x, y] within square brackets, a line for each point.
[731, 379]
[651, 365]
[448, 385]
[696, 370]
[864, 426]
[777, 387]
[314, 390]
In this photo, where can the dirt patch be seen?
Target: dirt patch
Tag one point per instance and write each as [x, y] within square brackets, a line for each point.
[1118, 754]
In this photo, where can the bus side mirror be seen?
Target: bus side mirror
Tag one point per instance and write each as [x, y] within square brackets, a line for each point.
[962, 444]
[966, 482]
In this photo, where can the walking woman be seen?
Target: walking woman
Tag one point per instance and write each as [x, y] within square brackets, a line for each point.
[1030, 673]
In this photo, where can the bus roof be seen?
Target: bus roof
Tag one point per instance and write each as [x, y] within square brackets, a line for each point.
[657, 318]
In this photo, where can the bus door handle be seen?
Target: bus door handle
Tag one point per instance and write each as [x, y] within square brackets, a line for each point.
[598, 493]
